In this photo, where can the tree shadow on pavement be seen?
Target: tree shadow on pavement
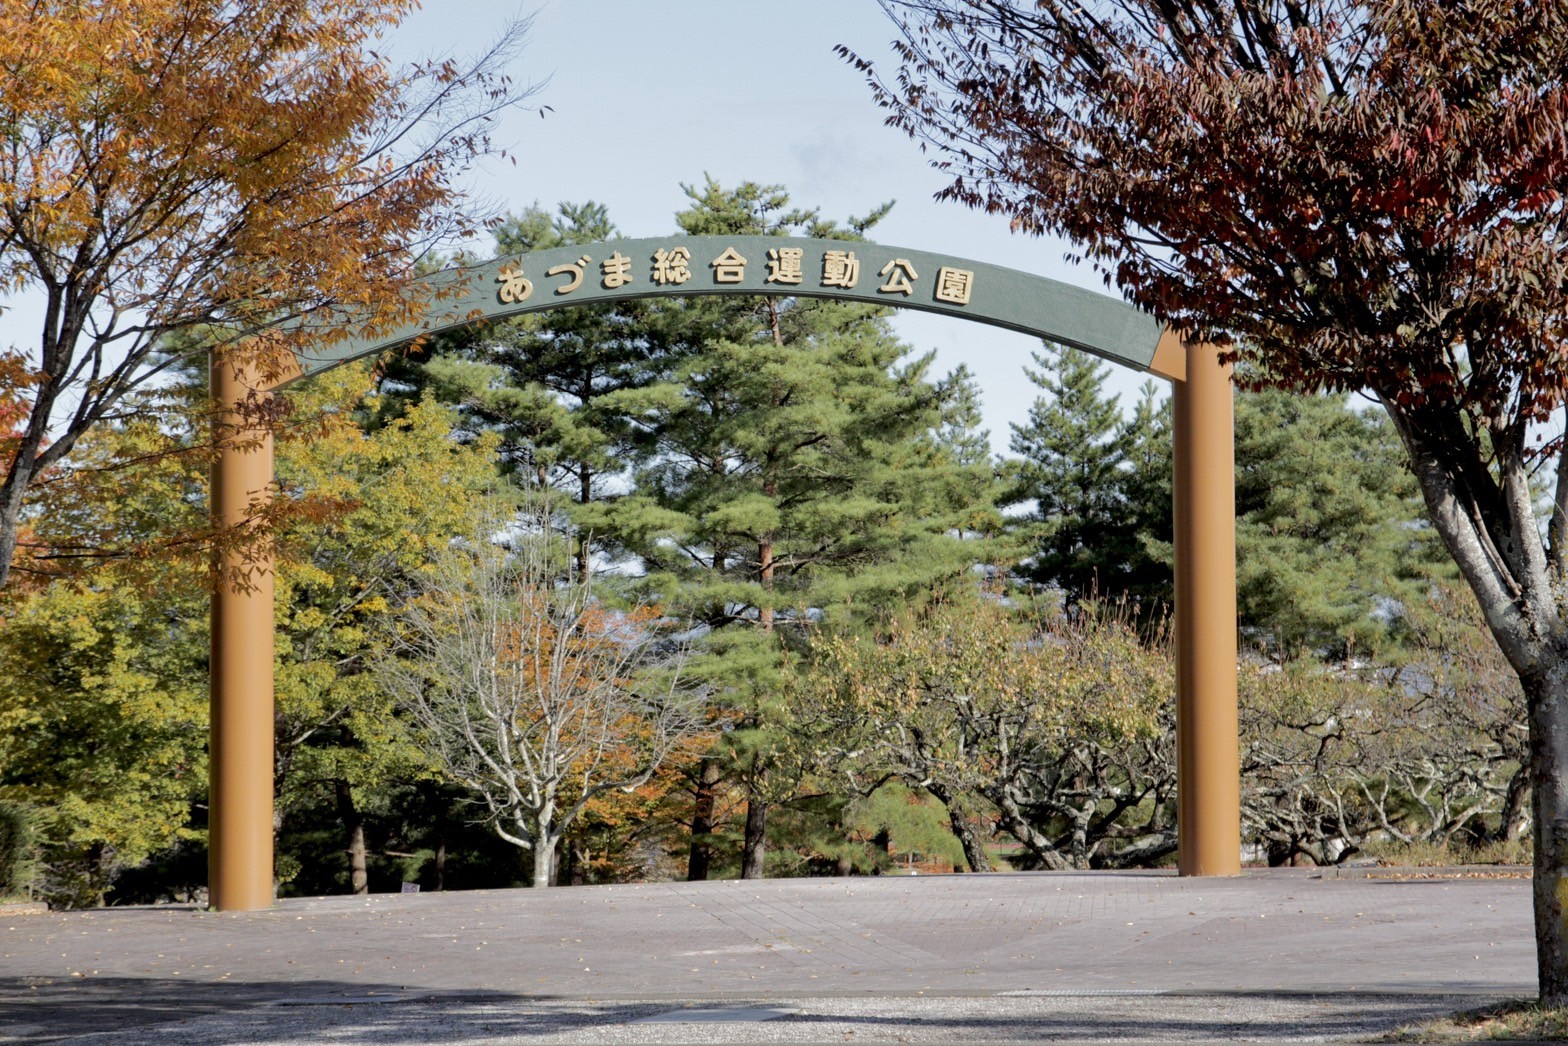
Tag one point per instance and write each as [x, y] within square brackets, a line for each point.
[175, 1012]
[168, 1011]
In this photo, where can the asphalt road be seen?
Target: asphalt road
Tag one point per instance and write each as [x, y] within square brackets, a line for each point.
[1268, 957]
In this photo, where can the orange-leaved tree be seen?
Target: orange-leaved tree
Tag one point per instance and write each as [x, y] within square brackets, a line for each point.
[173, 164]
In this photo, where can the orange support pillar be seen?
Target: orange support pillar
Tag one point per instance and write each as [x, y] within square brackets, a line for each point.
[240, 752]
[1208, 751]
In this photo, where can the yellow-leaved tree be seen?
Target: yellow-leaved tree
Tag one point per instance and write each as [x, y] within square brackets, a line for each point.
[104, 724]
[372, 513]
[1051, 727]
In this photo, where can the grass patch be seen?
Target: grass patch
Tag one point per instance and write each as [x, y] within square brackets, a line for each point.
[1436, 855]
[1518, 1020]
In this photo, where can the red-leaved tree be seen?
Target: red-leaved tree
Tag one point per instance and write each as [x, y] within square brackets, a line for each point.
[1348, 194]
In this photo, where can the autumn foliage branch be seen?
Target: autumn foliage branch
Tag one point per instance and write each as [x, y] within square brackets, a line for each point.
[174, 165]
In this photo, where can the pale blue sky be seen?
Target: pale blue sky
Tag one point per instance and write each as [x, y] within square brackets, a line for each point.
[645, 96]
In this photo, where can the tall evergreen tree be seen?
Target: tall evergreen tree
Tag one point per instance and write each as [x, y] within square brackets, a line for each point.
[543, 383]
[765, 461]
[1331, 536]
[797, 475]
[1332, 541]
[1078, 468]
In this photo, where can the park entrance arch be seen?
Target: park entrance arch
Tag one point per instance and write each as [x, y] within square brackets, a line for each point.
[1208, 770]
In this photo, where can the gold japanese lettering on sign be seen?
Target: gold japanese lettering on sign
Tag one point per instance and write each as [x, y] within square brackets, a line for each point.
[616, 270]
[954, 285]
[729, 267]
[515, 287]
[840, 269]
[784, 264]
[575, 269]
[899, 272]
[671, 266]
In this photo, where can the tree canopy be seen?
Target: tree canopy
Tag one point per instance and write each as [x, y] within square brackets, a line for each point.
[174, 164]
[1347, 194]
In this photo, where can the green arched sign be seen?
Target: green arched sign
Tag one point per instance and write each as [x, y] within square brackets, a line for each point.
[241, 763]
[850, 270]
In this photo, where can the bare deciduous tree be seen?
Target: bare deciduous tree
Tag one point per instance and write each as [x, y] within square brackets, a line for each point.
[532, 693]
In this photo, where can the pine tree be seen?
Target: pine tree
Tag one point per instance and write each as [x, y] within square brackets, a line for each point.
[797, 476]
[1331, 535]
[1077, 469]
[1331, 538]
[542, 383]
